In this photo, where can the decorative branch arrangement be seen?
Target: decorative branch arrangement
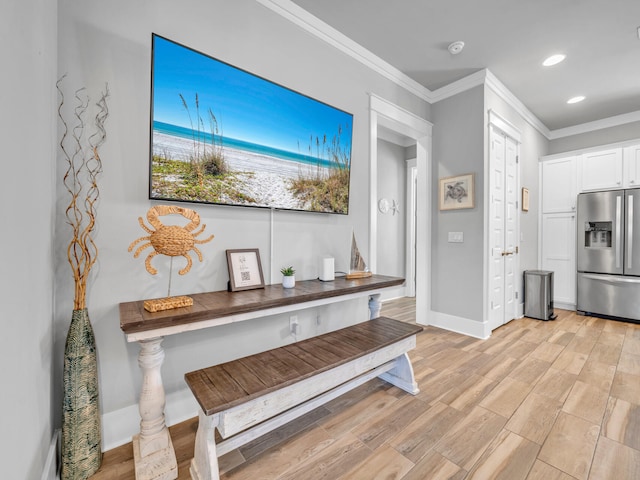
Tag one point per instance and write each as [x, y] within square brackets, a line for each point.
[81, 452]
[82, 165]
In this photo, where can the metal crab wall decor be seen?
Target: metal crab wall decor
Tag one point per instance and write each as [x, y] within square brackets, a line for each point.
[170, 240]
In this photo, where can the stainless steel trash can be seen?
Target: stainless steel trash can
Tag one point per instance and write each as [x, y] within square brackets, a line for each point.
[538, 294]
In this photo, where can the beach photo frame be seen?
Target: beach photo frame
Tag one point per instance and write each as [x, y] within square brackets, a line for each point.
[245, 269]
[224, 136]
[457, 192]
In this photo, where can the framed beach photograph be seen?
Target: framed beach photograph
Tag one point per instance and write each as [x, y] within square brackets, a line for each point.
[222, 135]
[456, 192]
[245, 269]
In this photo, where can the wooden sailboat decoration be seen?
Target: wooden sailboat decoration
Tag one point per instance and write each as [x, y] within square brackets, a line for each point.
[357, 267]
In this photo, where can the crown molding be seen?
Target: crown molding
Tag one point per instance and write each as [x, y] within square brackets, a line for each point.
[503, 92]
[330, 35]
[485, 77]
[596, 125]
[459, 86]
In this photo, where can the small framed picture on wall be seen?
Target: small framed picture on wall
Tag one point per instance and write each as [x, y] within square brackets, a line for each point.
[456, 192]
[525, 199]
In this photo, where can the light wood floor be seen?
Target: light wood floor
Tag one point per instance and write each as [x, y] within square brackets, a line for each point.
[538, 400]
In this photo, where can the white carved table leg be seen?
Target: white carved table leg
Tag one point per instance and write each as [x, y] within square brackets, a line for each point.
[401, 375]
[204, 465]
[153, 451]
[375, 305]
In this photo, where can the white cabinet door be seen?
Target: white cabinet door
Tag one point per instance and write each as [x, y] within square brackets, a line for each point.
[632, 166]
[600, 170]
[559, 256]
[559, 178]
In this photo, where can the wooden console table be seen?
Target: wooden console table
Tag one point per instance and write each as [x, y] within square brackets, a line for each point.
[153, 451]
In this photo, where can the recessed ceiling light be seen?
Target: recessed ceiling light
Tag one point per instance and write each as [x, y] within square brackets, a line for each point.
[554, 59]
[577, 99]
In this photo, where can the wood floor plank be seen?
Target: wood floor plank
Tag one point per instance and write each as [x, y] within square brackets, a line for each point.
[498, 367]
[597, 374]
[530, 370]
[555, 384]
[570, 362]
[467, 395]
[622, 422]
[506, 397]
[547, 351]
[543, 471]
[587, 402]
[434, 466]
[332, 462]
[343, 421]
[626, 387]
[570, 445]
[287, 456]
[535, 417]
[425, 431]
[379, 428]
[509, 457]
[470, 437]
[384, 464]
[613, 461]
[629, 363]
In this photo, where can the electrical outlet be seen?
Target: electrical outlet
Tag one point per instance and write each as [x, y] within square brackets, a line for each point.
[293, 324]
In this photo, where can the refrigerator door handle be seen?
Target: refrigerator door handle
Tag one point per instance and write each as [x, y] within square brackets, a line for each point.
[610, 278]
[630, 231]
[618, 229]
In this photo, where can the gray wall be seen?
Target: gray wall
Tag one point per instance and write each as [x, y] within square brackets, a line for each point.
[392, 170]
[458, 148]
[110, 42]
[27, 96]
[629, 131]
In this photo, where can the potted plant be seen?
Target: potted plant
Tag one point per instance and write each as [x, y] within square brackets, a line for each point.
[288, 277]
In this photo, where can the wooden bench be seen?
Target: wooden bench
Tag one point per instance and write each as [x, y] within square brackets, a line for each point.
[251, 396]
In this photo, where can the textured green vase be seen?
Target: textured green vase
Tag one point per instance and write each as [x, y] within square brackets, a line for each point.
[81, 435]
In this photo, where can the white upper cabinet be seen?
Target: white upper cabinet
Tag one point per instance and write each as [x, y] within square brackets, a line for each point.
[559, 185]
[632, 166]
[600, 170]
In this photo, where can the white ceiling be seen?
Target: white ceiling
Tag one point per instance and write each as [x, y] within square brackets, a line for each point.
[511, 38]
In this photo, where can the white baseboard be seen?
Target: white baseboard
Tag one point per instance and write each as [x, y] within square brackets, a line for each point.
[51, 469]
[120, 425]
[462, 325]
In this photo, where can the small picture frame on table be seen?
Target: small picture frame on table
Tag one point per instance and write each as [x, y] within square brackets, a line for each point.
[245, 269]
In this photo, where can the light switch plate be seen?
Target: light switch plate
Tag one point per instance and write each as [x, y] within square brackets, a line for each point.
[456, 237]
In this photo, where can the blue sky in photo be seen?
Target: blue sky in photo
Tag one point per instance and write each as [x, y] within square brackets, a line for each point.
[246, 107]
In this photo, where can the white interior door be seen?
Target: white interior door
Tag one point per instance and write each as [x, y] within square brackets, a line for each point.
[503, 268]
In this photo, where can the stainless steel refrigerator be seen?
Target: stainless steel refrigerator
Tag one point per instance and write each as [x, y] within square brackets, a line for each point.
[609, 253]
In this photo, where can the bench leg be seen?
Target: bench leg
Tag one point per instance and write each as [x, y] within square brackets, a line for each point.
[401, 375]
[204, 465]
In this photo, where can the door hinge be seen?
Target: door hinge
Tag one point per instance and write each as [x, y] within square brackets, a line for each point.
[517, 158]
[516, 295]
[517, 251]
[517, 205]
